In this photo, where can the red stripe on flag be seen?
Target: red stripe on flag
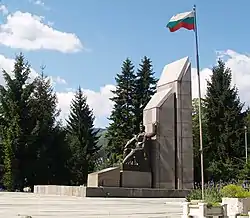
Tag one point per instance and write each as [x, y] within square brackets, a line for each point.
[182, 24]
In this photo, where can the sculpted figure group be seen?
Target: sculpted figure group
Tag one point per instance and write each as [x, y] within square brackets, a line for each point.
[136, 151]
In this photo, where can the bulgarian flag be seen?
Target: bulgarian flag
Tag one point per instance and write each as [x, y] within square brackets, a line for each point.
[185, 20]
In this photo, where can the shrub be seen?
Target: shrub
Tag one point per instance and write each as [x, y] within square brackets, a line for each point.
[234, 191]
[195, 194]
[212, 195]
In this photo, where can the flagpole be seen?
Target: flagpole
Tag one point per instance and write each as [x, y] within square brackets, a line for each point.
[199, 90]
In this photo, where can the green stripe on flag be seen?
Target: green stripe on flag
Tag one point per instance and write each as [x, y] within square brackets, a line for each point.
[188, 20]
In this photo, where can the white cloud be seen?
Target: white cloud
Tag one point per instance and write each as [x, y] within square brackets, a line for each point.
[204, 76]
[8, 65]
[4, 10]
[39, 3]
[240, 67]
[59, 80]
[29, 32]
[98, 101]
[50, 23]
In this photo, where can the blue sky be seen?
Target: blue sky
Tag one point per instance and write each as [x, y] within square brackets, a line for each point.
[110, 31]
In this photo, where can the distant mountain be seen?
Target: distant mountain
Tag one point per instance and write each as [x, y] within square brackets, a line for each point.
[100, 130]
[102, 142]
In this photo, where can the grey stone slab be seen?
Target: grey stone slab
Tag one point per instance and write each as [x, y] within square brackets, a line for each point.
[158, 99]
[173, 71]
[187, 145]
[150, 116]
[168, 131]
[171, 86]
[135, 192]
[184, 101]
[118, 192]
[187, 74]
[174, 125]
[185, 87]
[136, 179]
[106, 177]
[186, 115]
[184, 129]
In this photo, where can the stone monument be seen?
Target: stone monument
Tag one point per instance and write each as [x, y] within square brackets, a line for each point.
[161, 156]
[171, 108]
[158, 162]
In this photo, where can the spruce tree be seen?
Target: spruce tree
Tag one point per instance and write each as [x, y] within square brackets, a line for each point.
[82, 137]
[47, 151]
[248, 125]
[9, 157]
[225, 125]
[248, 118]
[122, 126]
[145, 87]
[58, 157]
[16, 120]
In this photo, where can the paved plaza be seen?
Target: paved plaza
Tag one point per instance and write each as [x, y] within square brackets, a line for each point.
[42, 206]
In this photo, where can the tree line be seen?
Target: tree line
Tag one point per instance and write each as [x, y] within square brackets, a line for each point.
[36, 148]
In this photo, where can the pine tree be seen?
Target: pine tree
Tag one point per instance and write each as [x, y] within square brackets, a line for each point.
[59, 156]
[9, 157]
[15, 118]
[82, 137]
[122, 126]
[248, 118]
[225, 124]
[145, 88]
[248, 125]
[46, 150]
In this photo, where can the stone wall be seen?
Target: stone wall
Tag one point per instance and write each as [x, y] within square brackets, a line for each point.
[78, 191]
[117, 192]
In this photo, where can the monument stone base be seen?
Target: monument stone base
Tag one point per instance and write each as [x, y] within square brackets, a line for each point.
[121, 192]
[135, 179]
[112, 192]
[109, 177]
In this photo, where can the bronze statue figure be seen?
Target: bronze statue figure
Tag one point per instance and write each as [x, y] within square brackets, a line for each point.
[136, 151]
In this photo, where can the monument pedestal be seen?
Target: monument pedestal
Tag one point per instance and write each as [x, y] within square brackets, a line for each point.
[136, 179]
[109, 177]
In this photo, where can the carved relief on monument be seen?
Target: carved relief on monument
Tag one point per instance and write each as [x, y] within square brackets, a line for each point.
[136, 155]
